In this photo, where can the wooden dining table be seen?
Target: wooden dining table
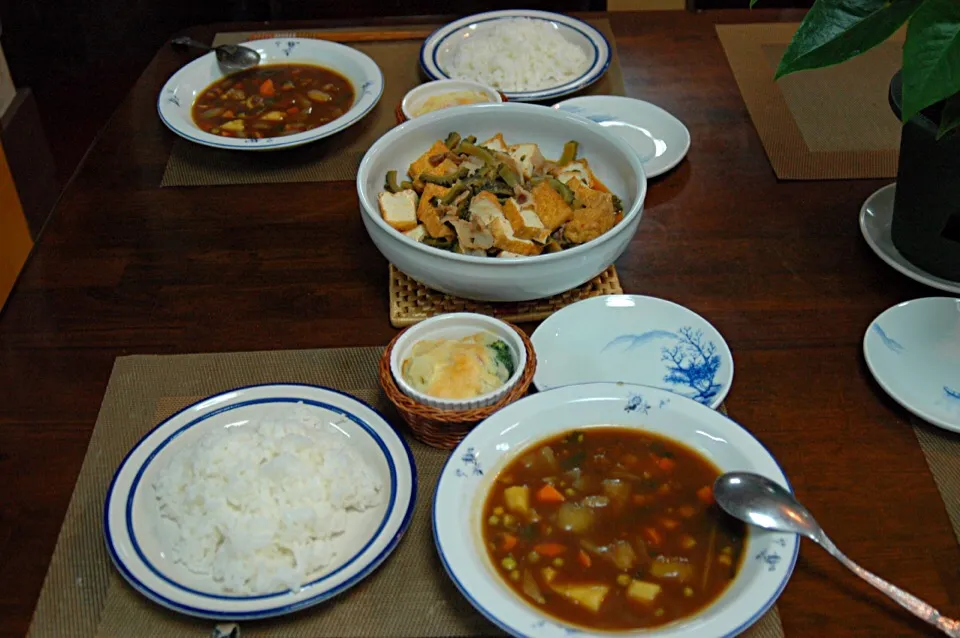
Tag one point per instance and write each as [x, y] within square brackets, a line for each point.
[779, 267]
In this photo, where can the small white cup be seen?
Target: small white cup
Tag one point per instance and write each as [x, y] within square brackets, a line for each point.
[415, 97]
[455, 326]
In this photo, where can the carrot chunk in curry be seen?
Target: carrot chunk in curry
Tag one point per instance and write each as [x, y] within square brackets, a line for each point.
[611, 528]
[273, 100]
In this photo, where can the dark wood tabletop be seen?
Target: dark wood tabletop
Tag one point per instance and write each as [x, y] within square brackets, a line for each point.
[780, 268]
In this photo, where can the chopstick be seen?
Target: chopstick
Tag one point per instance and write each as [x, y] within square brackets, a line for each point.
[349, 36]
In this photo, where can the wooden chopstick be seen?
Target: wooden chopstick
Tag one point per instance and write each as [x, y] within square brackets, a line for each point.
[349, 36]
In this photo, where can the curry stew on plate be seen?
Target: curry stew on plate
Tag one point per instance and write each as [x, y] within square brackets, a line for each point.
[611, 528]
[273, 100]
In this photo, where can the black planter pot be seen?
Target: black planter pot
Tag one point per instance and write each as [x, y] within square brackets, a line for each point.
[926, 210]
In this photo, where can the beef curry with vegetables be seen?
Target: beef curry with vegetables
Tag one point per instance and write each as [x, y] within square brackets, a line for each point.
[273, 100]
[611, 528]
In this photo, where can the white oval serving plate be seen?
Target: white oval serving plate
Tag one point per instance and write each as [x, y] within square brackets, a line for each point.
[769, 557]
[634, 339]
[876, 216]
[181, 90]
[913, 351]
[659, 138]
[439, 49]
[131, 516]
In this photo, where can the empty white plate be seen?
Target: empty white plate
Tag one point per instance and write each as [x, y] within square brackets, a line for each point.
[876, 215]
[660, 139]
[634, 339]
[913, 350]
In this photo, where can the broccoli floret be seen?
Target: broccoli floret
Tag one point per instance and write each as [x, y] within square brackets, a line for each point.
[503, 355]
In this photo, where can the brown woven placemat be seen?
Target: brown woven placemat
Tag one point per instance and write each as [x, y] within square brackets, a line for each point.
[409, 595]
[942, 451]
[832, 123]
[411, 302]
[337, 157]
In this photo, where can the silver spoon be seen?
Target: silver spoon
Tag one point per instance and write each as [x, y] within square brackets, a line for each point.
[231, 56]
[759, 501]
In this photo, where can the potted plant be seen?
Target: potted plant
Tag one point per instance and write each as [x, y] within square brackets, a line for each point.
[925, 95]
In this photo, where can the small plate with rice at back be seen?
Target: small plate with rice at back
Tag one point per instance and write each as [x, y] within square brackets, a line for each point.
[259, 501]
[529, 56]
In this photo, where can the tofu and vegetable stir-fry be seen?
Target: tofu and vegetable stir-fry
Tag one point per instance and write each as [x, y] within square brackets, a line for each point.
[611, 528]
[491, 199]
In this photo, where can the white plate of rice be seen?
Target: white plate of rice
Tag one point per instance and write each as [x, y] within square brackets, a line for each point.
[529, 56]
[259, 501]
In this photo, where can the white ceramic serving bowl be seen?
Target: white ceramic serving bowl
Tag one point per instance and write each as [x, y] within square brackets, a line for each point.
[913, 351]
[634, 339]
[455, 326]
[440, 49]
[768, 558]
[495, 279]
[180, 92]
[415, 97]
[131, 518]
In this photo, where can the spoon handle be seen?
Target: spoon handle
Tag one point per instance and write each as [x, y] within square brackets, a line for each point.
[909, 602]
[190, 42]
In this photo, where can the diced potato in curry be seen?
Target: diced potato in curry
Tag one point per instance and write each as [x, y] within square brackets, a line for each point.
[517, 499]
[643, 592]
[589, 596]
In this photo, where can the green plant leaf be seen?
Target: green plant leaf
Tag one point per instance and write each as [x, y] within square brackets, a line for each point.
[834, 31]
[931, 56]
[951, 116]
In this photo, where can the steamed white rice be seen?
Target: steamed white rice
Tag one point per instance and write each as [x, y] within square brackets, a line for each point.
[259, 507]
[519, 54]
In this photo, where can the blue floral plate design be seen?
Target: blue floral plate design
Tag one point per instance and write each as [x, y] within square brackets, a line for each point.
[634, 339]
[913, 351]
[465, 481]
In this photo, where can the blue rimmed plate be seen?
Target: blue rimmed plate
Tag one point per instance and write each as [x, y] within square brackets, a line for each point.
[913, 351]
[131, 517]
[768, 557]
[440, 49]
[634, 339]
[175, 102]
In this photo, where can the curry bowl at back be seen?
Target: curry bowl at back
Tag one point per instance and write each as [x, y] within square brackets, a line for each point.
[588, 509]
[501, 202]
[302, 90]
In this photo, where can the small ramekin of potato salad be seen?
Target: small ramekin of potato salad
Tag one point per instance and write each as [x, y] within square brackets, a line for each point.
[458, 361]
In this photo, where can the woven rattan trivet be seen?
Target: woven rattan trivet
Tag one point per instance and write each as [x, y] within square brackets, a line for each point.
[411, 302]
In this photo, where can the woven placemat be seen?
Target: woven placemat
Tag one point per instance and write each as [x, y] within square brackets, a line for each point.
[411, 302]
[832, 123]
[942, 451]
[335, 158]
[409, 595]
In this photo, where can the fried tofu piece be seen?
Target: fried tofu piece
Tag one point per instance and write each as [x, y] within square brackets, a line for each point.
[591, 198]
[504, 239]
[580, 169]
[399, 209]
[485, 208]
[428, 214]
[423, 165]
[525, 222]
[588, 223]
[496, 143]
[529, 158]
[417, 234]
[550, 207]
